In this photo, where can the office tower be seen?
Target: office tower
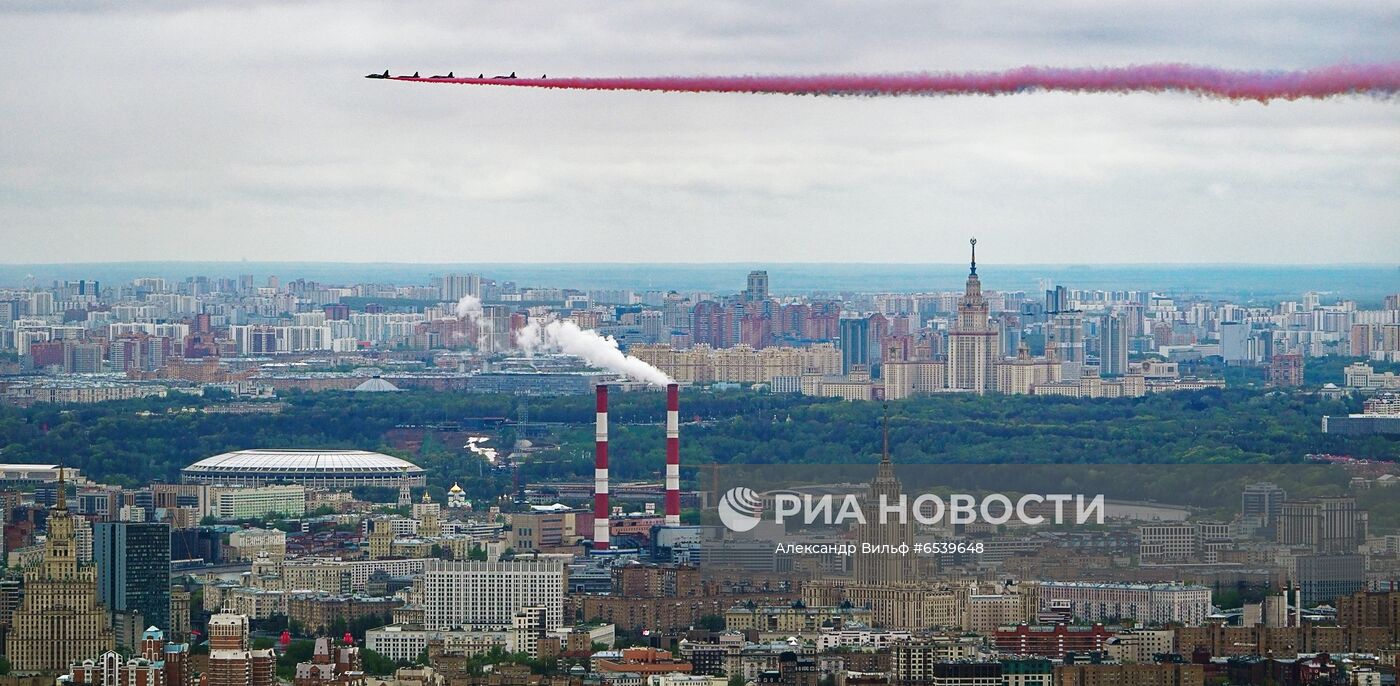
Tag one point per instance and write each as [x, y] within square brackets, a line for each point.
[1057, 300]
[59, 620]
[1234, 342]
[133, 569]
[758, 287]
[1328, 525]
[855, 343]
[1113, 345]
[1009, 331]
[972, 343]
[1324, 578]
[1262, 501]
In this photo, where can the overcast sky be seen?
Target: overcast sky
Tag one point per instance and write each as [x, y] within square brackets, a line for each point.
[210, 131]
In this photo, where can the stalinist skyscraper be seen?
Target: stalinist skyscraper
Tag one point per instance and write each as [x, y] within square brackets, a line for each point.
[59, 621]
[973, 345]
[884, 568]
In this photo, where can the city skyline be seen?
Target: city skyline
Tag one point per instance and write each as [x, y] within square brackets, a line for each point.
[194, 145]
[647, 344]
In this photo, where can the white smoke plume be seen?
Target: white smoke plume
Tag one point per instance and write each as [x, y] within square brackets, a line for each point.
[469, 307]
[586, 344]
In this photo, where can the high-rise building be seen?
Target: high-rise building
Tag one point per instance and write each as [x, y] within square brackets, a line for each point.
[1065, 341]
[179, 613]
[133, 568]
[1057, 300]
[1362, 339]
[489, 594]
[855, 343]
[1286, 370]
[708, 324]
[59, 621]
[231, 662]
[1234, 342]
[451, 287]
[1263, 501]
[882, 568]
[1113, 345]
[1370, 608]
[973, 345]
[82, 358]
[1329, 524]
[1324, 578]
[758, 287]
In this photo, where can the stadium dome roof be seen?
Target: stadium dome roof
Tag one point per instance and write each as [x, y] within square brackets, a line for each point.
[377, 384]
[310, 461]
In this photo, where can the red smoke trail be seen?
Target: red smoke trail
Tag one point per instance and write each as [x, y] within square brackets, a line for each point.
[1375, 80]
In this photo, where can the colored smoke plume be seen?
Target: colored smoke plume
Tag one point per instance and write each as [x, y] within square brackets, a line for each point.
[597, 350]
[1375, 80]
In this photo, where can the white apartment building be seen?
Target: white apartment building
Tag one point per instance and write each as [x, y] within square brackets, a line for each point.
[406, 642]
[257, 501]
[248, 543]
[340, 577]
[1100, 602]
[490, 594]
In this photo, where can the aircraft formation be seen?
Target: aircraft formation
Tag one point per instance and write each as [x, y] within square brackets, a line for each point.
[448, 75]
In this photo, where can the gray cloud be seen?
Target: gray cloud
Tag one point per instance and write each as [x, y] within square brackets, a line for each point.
[184, 130]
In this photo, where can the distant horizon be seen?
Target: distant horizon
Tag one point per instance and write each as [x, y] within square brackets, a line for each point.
[1159, 263]
[1239, 282]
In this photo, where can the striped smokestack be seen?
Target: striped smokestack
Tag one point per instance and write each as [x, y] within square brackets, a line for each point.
[600, 473]
[673, 455]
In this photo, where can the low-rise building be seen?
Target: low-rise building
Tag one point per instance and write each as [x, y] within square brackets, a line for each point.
[408, 641]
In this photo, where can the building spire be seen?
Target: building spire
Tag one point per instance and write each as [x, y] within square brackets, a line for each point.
[885, 455]
[974, 256]
[61, 502]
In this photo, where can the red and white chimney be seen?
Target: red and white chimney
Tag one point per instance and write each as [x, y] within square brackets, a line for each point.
[601, 512]
[673, 455]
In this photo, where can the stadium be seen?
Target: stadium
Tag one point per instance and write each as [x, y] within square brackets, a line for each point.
[310, 468]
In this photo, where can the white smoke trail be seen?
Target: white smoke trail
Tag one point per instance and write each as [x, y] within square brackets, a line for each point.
[586, 344]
